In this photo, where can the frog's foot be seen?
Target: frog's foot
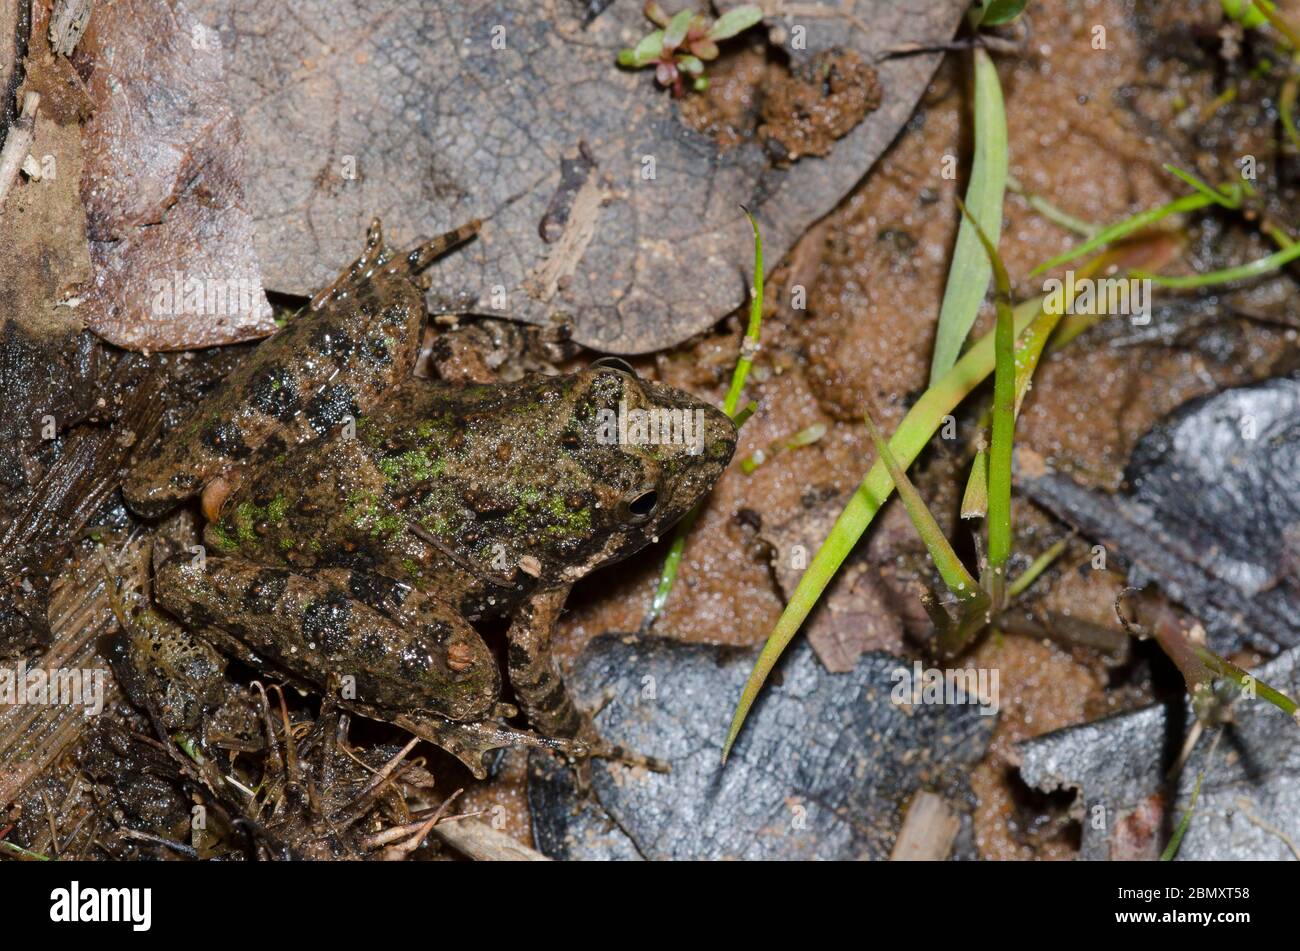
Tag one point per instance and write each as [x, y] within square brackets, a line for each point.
[602, 749]
[377, 256]
[469, 742]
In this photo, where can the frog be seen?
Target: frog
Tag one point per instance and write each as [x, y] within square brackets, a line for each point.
[361, 521]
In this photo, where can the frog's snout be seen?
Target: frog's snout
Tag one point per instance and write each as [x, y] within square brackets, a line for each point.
[720, 435]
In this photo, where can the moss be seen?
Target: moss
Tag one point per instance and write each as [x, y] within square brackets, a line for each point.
[415, 465]
[222, 537]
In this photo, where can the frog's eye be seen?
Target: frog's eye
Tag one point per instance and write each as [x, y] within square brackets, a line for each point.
[613, 363]
[641, 507]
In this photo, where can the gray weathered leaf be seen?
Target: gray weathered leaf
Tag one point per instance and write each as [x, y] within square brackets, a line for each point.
[1213, 512]
[407, 111]
[823, 769]
[1249, 799]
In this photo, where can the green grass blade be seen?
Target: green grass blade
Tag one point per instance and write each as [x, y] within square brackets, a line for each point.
[1216, 196]
[968, 276]
[1126, 227]
[1039, 565]
[748, 349]
[975, 500]
[918, 426]
[1084, 229]
[748, 346]
[1286, 108]
[1172, 848]
[1255, 268]
[954, 573]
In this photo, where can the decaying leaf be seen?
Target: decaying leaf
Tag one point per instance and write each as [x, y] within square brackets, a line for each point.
[1212, 515]
[171, 239]
[429, 114]
[44, 360]
[1249, 804]
[824, 770]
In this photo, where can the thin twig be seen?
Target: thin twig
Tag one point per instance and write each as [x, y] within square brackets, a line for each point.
[17, 144]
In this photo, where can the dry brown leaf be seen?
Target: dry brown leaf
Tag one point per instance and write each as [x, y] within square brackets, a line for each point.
[171, 237]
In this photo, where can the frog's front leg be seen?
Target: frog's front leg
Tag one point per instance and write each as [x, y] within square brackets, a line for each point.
[540, 689]
[538, 686]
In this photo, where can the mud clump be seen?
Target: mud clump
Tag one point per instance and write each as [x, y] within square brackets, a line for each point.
[817, 102]
[794, 111]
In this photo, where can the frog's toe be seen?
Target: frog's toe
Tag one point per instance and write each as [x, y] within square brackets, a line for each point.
[470, 742]
[621, 754]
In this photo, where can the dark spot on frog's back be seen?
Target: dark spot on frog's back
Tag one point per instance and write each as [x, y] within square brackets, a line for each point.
[414, 661]
[325, 622]
[331, 406]
[517, 657]
[374, 350]
[395, 316]
[265, 591]
[225, 438]
[379, 592]
[330, 341]
[371, 646]
[275, 392]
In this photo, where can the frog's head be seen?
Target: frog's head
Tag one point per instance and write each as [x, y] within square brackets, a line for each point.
[644, 454]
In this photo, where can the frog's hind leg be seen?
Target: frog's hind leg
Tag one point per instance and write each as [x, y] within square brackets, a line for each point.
[336, 363]
[540, 689]
[426, 252]
[377, 257]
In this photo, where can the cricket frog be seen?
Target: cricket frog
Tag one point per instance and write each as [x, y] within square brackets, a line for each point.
[361, 520]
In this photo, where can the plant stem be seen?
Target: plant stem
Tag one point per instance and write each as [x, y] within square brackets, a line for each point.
[1004, 423]
[1036, 568]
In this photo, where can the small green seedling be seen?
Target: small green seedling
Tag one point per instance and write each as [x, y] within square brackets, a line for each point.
[684, 42]
[804, 437]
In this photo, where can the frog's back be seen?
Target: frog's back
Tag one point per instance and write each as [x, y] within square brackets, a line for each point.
[359, 338]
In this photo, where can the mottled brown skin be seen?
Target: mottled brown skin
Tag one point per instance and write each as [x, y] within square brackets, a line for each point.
[361, 519]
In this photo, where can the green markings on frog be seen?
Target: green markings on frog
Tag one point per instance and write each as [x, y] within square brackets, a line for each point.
[248, 520]
[550, 513]
[412, 466]
[366, 511]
